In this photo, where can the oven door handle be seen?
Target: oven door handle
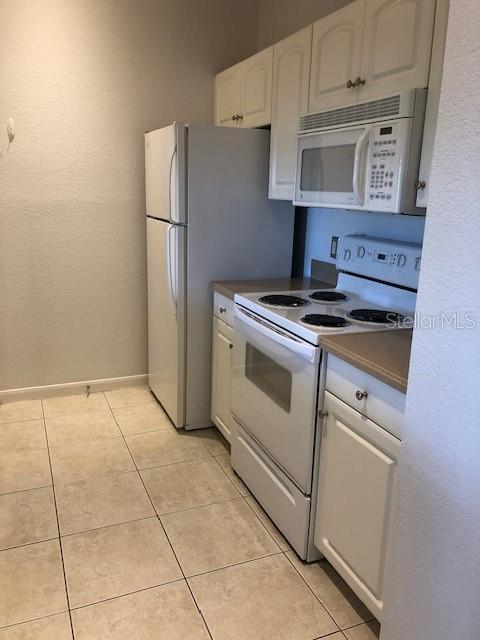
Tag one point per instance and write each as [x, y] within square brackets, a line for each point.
[299, 347]
[359, 166]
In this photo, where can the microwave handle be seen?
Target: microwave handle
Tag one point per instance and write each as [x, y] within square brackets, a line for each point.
[305, 351]
[359, 164]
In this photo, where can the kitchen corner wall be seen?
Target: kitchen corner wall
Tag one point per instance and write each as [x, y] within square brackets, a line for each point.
[83, 79]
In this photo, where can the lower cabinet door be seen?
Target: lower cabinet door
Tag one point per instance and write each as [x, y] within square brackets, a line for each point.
[358, 460]
[222, 343]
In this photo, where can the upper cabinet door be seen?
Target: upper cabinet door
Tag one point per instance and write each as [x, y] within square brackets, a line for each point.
[398, 41]
[228, 87]
[256, 89]
[336, 52]
[291, 77]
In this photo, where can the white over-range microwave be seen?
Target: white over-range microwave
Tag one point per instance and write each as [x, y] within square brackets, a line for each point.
[364, 156]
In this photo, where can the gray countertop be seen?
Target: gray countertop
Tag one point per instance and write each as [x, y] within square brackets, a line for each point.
[229, 288]
[383, 354]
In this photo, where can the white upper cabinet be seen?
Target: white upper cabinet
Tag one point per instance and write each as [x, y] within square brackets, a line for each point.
[228, 92]
[370, 48]
[336, 51]
[257, 89]
[397, 46]
[243, 93]
[291, 76]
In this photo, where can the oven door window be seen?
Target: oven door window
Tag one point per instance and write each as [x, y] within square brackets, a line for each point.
[328, 169]
[269, 376]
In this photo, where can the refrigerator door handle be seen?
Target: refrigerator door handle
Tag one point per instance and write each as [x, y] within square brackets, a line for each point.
[170, 270]
[172, 160]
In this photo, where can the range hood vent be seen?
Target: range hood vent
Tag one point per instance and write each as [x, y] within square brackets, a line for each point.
[366, 111]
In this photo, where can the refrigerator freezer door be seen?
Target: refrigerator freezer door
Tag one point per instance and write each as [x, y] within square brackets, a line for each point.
[165, 173]
[166, 316]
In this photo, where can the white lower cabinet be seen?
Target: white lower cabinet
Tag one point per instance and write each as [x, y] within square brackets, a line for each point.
[358, 460]
[221, 407]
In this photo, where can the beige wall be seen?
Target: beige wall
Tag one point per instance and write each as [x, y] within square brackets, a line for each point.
[434, 566]
[279, 18]
[83, 79]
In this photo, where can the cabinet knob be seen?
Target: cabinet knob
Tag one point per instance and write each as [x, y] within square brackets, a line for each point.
[350, 84]
[234, 118]
[360, 82]
[420, 185]
[361, 395]
[230, 345]
[239, 116]
[323, 413]
[223, 310]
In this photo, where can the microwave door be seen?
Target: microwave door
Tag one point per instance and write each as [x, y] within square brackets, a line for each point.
[328, 164]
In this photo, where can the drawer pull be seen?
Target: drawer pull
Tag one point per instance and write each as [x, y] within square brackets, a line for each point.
[361, 395]
[223, 310]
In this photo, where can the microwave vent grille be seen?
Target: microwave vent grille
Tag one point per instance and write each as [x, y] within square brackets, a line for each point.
[374, 110]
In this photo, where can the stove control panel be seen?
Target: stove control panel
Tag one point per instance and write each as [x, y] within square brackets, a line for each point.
[390, 261]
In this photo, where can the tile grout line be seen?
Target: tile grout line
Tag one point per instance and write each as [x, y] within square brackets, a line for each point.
[234, 564]
[329, 635]
[225, 472]
[198, 506]
[262, 523]
[319, 600]
[310, 589]
[29, 544]
[163, 528]
[366, 622]
[106, 526]
[44, 486]
[58, 525]
[128, 593]
[18, 624]
[5, 424]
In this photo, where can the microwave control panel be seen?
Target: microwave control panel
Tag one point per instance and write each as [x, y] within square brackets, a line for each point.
[385, 165]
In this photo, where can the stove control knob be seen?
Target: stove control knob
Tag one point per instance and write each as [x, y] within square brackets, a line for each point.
[360, 252]
[401, 260]
[347, 254]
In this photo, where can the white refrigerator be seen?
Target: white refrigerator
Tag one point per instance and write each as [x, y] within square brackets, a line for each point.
[208, 218]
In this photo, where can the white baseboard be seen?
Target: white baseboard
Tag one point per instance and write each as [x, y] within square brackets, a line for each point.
[70, 388]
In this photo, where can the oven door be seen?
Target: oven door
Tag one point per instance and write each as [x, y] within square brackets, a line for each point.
[332, 168]
[274, 393]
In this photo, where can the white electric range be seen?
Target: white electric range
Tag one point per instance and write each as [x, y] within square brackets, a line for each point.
[276, 368]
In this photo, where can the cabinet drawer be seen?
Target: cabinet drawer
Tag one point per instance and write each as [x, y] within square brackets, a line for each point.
[383, 404]
[223, 308]
[285, 504]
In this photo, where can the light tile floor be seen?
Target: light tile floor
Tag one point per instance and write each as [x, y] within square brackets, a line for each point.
[114, 526]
